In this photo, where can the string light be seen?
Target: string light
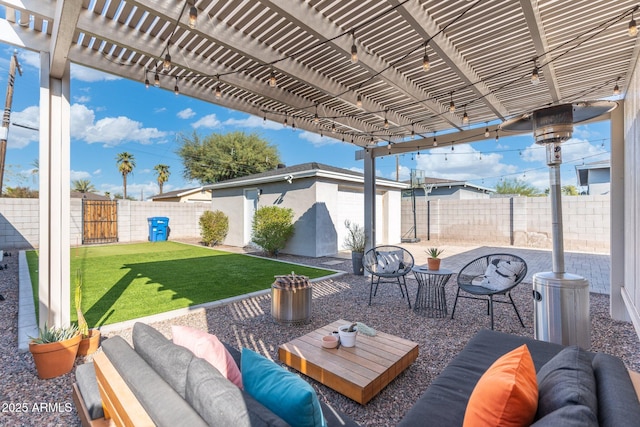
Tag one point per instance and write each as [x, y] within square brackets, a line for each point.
[465, 116]
[359, 101]
[176, 89]
[156, 79]
[535, 76]
[285, 122]
[218, 90]
[193, 16]
[386, 122]
[354, 49]
[316, 119]
[264, 118]
[452, 147]
[272, 79]
[633, 28]
[445, 157]
[497, 136]
[616, 88]
[480, 156]
[435, 141]
[486, 133]
[413, 131]
[333, 128]
[166, 64]
[146, 79]
[425, 59]
[293, 123]
[452, 105]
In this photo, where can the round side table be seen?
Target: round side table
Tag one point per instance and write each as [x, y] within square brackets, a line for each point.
[431, 298]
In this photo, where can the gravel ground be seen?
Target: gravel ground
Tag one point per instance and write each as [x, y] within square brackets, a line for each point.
[248, 323]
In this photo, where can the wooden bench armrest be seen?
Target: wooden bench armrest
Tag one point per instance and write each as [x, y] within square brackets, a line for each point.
[635, 379]
[118, 401]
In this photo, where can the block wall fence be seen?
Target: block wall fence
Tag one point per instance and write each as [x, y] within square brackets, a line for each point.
[19, 221]
[517, 221]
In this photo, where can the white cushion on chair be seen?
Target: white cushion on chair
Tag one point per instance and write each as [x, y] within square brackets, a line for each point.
[501, 274]
[388, 262]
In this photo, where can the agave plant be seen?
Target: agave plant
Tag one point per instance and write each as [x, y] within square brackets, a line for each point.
[434, 252]
[54, 334]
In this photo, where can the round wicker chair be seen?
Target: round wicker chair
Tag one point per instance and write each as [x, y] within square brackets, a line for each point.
[388, 264]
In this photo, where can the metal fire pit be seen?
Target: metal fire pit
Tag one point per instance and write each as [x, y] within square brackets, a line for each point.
[291, 300]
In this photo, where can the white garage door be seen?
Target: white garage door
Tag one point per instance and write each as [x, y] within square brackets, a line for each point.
[351, 207]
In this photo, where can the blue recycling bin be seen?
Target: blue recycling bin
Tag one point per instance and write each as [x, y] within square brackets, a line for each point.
[158, 228]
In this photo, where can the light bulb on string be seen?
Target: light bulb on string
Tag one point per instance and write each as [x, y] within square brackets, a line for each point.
[218, 90]
[333, 128]
[156, 80]
[633, 28]
[486, 133]
[425, 59]
[616, 88]
[193, 16]
[316, 119]
[166, 64]
[452, 105]
[386, 122]
[452, 147]
[497, 136]
[272, 79]
[535, 75]
[354, 49]
[176, 89]
[359, 101]
[465, 117]
[285, 122]
[146, 81]
[413, 132]
[435, 141]
[445, 157]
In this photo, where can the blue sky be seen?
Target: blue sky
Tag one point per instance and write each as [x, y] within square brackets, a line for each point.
[110, 115]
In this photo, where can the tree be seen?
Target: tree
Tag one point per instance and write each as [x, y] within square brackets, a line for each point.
[162, 172]
[219, 157]
[21, 193]
[83, 186]
[570, 190]
[126, 163]
[517, 186]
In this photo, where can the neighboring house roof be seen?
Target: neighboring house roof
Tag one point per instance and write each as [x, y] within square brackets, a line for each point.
[88, 196]
[449, 183]
[304, 170]
[177, 193]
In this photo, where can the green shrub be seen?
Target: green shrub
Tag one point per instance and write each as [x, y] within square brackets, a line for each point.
[272, 227]
[213, 227]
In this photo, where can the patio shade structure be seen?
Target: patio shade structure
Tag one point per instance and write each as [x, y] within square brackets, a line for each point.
[386, 76]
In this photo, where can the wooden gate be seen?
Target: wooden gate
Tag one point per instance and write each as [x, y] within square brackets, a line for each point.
[99, 221]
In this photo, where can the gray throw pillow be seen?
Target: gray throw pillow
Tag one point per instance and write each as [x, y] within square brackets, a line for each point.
[169, 360]
[220, 403]
[568, 416]
[567, 379]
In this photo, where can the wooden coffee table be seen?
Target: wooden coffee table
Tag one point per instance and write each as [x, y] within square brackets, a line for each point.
[358, 372]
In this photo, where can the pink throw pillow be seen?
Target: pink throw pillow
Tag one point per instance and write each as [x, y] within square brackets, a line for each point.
[209, 348]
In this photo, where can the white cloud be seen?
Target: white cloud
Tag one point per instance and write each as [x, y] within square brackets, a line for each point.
[462, 164]
[573, 150]
[209, 121]
[187, 113]
[110, 131]
[89, 75]
[20, 137]
[160, 109]
[82, 99]
[97, 172]
[75, 175]
[253, 122]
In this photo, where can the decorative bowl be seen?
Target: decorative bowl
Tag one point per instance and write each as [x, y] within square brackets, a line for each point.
[330, 341]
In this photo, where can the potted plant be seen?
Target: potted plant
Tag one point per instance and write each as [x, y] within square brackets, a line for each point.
[90, 340]
[348, 334]
[54, 350]
[433, 262]
[355, 241]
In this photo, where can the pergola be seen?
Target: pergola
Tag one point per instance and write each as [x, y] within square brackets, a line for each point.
[388, 76]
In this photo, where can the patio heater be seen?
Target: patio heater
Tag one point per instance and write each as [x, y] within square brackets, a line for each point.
[561, 299]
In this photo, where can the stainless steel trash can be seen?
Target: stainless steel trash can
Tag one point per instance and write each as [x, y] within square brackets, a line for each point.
[561, 312]
[291, 300]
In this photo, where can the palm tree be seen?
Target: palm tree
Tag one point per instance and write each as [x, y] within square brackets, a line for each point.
[163, 175]
[83, 186]
[126, 163]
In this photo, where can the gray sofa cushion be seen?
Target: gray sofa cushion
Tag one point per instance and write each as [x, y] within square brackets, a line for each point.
[170, 361]
[617, 401]
[568, 416]
[445, 401]
[163, 404]
[567, 379]
[220, 403]
[88, 387]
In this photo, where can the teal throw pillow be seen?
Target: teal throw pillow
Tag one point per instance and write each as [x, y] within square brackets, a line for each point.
[284, 393]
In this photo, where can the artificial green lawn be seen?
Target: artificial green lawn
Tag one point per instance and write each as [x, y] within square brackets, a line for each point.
[124, 282]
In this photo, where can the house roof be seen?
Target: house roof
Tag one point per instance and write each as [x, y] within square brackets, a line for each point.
[582, 171]
[442, 182]
[177, 193]
[303, 170]
[88, 196]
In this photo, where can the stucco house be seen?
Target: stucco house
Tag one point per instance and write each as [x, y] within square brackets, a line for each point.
[185, 195]
[440, 188]
[322, 198]
[595, 176]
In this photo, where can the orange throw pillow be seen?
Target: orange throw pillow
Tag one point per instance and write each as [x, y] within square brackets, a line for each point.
[506, 394]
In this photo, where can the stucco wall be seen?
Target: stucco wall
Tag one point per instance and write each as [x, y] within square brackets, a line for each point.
[519, 221]
[19, 221]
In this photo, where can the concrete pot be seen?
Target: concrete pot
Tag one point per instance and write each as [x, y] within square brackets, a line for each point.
[356, 261]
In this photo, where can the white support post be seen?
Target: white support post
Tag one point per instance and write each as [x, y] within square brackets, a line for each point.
[54, 169]
[370, 200]
[617, 306]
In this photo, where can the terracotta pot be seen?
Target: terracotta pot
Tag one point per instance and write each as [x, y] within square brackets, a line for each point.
[56, 358]
[90, 344]
[433, 263]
